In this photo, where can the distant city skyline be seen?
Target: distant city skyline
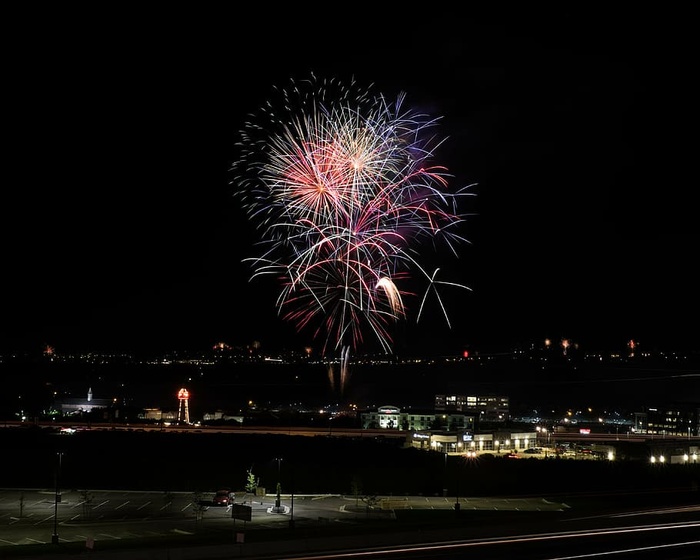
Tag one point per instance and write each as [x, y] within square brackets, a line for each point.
[255, 349]
[539, 379]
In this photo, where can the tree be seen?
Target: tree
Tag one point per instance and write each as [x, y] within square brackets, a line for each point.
[251, 483]
[199, 505]
[87, 499]
[356, 488]
[370, 502]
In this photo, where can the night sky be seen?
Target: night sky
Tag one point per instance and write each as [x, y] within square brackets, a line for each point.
[120, 230]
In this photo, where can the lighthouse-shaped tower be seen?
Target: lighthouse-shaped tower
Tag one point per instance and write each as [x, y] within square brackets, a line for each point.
[183, 411]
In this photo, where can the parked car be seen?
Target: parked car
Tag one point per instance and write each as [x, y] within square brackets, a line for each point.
[222, 497]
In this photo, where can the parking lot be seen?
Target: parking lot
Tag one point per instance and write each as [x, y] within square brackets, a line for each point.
[27, 516]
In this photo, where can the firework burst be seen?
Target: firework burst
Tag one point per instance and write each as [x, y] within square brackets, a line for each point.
[340, 185]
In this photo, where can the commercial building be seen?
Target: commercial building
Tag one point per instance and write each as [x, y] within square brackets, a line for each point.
[669, 420]
[78, 406]
[447, 432]
[487, 408]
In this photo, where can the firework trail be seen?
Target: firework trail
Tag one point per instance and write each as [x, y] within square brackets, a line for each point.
[340, 186]
[344, 368]
[331, 376]
[344, 374]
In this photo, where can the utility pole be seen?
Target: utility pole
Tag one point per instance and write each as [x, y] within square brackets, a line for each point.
[57, 498]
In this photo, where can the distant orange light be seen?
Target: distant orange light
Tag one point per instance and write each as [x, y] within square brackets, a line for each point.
[465, 354]
[183, 394]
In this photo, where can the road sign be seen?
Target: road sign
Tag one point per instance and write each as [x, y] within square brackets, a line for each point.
[239, 511]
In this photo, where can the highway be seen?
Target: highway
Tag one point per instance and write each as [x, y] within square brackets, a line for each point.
[552, 438]
[193, 429]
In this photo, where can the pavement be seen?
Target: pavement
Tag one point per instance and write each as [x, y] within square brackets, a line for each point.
[130, 516]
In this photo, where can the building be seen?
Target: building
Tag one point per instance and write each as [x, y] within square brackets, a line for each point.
[487, 408]
[447, 432]
[222, 416]
[674, 420]
[391, 417]
[158, 415]
[73, 406]
[465, 442]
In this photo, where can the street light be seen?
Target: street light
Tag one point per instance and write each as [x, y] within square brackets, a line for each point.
[57, 498]
[457, 504]
[291, 511]
[278, 506]
[543, 436]
[444, 476]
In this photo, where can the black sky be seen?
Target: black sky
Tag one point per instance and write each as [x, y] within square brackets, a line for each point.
[119, 226]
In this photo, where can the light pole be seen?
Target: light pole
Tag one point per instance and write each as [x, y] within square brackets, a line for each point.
[291, 509]
[444, 476]
[278, 506]
[543, 435]
[57, 498]
[457, 505]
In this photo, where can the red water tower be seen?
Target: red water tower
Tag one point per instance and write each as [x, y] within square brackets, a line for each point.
[183, 411]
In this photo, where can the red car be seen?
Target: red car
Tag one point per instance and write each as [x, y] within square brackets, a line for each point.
[222, 497]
